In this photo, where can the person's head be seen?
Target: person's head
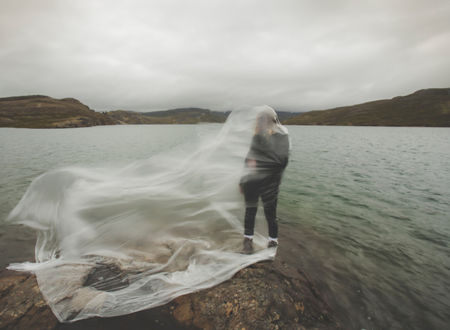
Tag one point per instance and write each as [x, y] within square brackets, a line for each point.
[266, 121]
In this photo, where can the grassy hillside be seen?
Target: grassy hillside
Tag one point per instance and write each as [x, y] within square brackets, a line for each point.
[427, 107]
[38, 111]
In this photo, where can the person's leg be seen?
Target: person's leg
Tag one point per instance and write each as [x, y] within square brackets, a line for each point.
[251, 195]
[269, 196]
[251, 203]
[249, 223]
[270, 211]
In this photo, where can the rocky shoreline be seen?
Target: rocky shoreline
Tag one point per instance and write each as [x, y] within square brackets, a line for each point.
[267, 295]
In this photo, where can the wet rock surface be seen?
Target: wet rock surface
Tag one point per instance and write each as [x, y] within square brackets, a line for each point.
[266, 295]
[21, 303]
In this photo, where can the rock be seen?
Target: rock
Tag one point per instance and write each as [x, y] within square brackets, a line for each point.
[21, 303]
[106, 277]
[266, 295]
[183, 313]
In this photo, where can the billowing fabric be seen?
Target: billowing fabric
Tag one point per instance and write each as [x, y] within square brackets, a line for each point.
[114, 241]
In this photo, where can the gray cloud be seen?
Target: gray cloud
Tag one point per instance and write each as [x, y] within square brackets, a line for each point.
[293, 55]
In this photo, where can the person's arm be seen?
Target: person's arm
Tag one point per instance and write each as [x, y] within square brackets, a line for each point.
[250, 162]
[283, 150]
[250, 159]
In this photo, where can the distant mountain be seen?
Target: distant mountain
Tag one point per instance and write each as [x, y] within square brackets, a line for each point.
[123, 117]
[285, 115]
[426, 107]
[174, 116]
[38, 111]
[178, 116]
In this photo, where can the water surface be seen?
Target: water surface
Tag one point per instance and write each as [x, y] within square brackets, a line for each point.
[369, 206]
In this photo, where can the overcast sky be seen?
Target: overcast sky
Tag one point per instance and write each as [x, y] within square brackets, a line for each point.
[293, 55]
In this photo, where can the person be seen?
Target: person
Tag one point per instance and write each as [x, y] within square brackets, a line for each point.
[264, 166]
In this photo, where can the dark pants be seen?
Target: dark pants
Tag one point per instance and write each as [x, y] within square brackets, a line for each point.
[266, 188]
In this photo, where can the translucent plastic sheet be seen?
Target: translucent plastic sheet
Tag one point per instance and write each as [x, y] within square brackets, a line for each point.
[113, 241]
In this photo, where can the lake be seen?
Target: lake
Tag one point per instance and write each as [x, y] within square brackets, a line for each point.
[370, 207]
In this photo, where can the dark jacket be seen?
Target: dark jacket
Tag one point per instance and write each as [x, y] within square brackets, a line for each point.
[271, 154]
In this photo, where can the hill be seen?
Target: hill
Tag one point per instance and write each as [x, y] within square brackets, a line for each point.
[426, 107]
[178, 116]
[38, 111]
[174, 116]
[284, 115]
